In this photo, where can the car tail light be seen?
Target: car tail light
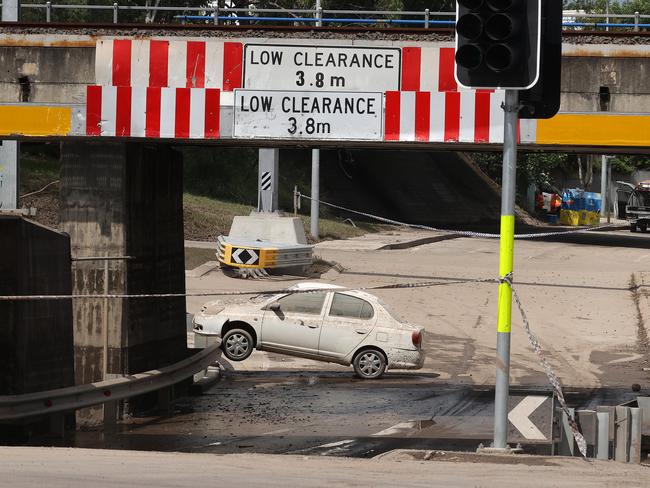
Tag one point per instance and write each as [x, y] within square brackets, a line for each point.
[416, 337]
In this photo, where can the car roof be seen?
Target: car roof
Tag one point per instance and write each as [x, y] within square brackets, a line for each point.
[314, 286]
[329, 286]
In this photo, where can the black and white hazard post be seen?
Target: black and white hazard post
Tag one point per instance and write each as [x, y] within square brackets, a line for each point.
[267, 185]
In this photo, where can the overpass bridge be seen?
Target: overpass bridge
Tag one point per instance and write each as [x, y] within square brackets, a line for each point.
[203, 80]
[112, 94]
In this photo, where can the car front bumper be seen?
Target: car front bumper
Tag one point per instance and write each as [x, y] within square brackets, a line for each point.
[405, 358]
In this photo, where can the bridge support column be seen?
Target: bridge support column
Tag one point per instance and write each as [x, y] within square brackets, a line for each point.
[124, 201]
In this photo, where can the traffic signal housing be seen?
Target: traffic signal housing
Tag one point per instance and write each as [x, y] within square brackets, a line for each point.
[498, 43]
[542, 101]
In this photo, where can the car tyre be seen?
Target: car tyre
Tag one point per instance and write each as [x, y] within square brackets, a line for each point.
[632, 227]
[369, 364]
[237, 344]
[643, 227]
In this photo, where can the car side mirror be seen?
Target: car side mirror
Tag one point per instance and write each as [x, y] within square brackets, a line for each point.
[275, 306]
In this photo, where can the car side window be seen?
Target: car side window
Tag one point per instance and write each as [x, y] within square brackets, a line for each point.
[350, 307]
[311, 303]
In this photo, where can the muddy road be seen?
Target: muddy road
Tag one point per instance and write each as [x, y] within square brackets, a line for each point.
[328, 413]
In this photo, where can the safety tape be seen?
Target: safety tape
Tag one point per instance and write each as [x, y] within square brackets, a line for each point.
[552, 377]
[464, 233]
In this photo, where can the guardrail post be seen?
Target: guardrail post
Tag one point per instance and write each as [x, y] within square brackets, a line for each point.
[216, 13]
[110, 417]
[567, 441]
[602, 439]
[587, 421]
[622, 434]
[637, 21]
[427, 13]
[115, 11]
[636, 430]
[48, 12]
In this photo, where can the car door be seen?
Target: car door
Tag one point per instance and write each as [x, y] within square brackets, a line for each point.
[295, 326]
[348, 322]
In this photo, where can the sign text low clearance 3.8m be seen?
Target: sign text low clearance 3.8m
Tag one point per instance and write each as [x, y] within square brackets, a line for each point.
[327, 68]
[290, 115]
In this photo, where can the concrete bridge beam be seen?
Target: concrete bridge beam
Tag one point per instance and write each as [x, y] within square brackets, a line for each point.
[124, 199]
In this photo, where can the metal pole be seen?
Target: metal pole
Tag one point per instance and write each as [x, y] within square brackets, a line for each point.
[426, 18]
[48, 12]
[607, 15]
[115, 12]
[319, 14]
[604, 200]
[216, 13]
[105, 327]
[609, 192]
[507, 242]
[315, 191]
[637, 20]
[10, 10]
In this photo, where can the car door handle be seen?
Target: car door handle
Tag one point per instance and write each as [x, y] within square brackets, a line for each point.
[312, 326]
[362, 331]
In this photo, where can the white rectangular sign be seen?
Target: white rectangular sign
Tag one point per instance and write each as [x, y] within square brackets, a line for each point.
[327, 68]
[295, 115]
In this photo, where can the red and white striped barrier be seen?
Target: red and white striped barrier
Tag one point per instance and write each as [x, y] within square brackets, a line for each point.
[173, 64]
[464, 116]
[429, 69]
[179, 113]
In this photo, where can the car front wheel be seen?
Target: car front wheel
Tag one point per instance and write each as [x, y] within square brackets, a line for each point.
[369, 364]
[237, 344]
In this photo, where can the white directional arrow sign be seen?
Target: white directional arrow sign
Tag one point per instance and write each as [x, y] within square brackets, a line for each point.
[519, 417]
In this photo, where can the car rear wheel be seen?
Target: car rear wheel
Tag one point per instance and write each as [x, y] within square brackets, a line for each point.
[643, 227]
[237, 344]
[632, 227]
[369, 364]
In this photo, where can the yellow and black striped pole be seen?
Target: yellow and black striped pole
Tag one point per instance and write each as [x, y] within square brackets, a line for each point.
[506, 256]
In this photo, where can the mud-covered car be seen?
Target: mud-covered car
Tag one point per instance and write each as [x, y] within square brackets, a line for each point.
[327, 324]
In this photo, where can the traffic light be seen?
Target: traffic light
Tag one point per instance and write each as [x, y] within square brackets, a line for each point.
[542, 101]
[498, 43]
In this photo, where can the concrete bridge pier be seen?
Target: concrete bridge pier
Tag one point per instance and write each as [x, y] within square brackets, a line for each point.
[124, 201]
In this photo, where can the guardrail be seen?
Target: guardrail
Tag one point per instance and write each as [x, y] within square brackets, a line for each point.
[239, 253]
[217, 14]
[110, 391]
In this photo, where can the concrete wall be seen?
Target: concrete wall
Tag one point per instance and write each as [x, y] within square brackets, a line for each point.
[60, 75]
[46, 74]
[35, 336]
[125, 200]
[626, 79]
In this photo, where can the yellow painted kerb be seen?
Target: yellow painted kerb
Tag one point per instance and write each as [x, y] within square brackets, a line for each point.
[506, 257]
[595, 130]
[32, 121]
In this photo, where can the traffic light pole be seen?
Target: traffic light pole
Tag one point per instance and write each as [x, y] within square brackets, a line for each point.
[507, 242]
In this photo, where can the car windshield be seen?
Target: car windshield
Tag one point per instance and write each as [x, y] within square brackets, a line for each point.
[640, 199]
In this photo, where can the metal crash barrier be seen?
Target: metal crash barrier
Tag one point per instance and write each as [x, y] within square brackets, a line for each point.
[239, 253]
[105, 392]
